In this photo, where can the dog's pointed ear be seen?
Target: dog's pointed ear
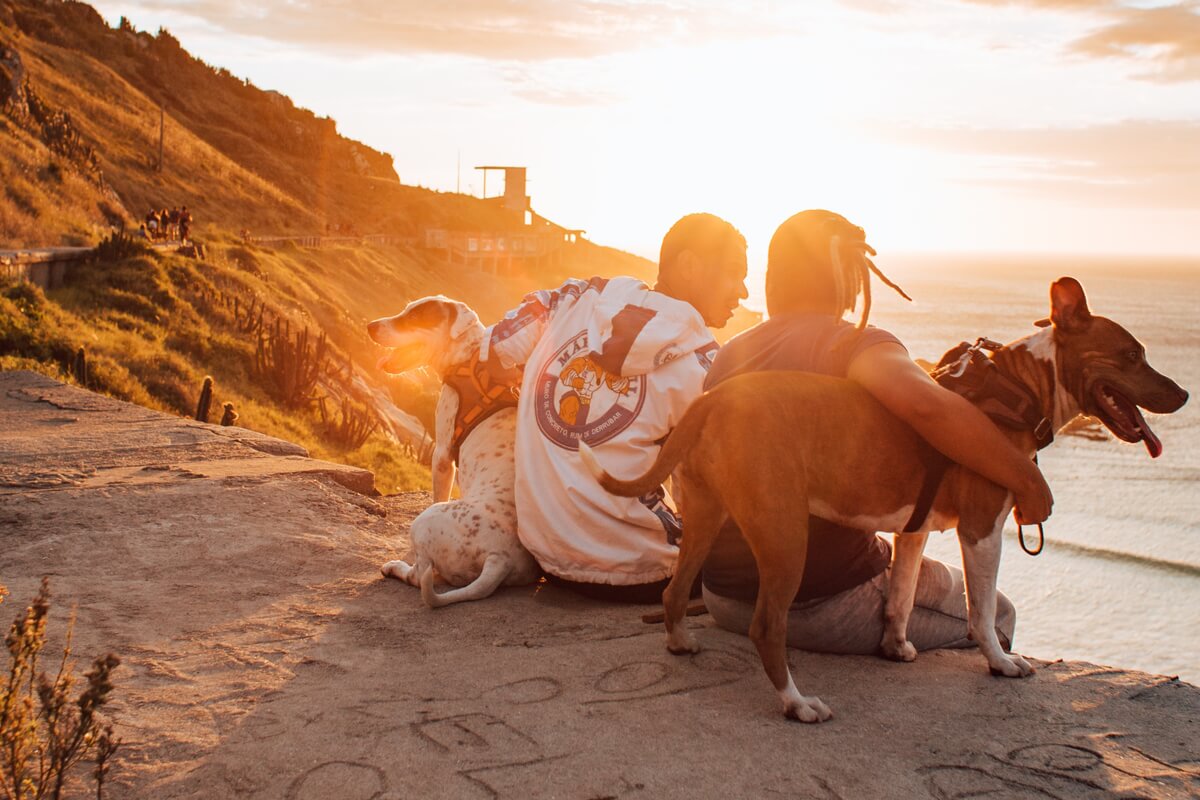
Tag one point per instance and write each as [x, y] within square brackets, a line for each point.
[1044, 322]
[1068, 306]
[463, 319]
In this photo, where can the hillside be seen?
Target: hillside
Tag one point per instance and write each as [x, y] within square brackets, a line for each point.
[80, 106]
[80, 97]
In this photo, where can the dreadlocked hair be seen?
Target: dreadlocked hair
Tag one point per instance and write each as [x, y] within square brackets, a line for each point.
[820, 260]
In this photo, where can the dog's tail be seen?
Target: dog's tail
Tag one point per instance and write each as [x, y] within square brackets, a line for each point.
[672, 452]
[495, 570]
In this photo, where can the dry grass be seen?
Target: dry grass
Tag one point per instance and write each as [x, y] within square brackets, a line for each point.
[43, 201]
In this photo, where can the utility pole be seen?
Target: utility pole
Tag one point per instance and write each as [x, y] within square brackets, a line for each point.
[161, 130]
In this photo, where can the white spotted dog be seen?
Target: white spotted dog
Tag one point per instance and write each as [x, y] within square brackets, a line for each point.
[471, 542]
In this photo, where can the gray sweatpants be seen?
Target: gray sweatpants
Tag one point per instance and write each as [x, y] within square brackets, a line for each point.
[852, 621]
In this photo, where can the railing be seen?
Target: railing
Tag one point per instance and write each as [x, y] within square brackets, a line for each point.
[329, 241]
[47, 266]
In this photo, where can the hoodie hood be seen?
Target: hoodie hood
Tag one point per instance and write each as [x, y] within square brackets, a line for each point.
[636, 330]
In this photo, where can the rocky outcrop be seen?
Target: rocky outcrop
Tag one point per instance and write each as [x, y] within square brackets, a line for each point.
[53, 127]
[264, 657]
[12, 82]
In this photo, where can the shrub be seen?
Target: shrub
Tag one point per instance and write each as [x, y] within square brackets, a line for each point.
[44, 732]
[119, 246]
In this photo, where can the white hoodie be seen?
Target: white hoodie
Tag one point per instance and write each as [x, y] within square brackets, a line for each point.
[615, 364]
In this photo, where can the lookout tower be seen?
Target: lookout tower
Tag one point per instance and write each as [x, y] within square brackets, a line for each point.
[515, 198]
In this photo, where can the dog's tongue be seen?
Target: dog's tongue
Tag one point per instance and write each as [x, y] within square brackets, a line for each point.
[392, 362]
[1153, 445]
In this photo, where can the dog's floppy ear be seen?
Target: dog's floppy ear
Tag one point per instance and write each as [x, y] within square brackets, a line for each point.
[463, 319]
[427, 312]
[1068, 306]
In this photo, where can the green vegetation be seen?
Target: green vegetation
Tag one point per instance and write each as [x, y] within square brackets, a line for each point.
[155, 326]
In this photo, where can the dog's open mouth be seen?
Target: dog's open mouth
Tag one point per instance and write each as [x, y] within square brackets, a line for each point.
[400, 359]
[1122, 416]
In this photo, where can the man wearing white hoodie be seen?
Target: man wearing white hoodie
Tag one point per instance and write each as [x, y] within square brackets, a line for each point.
[616, 364]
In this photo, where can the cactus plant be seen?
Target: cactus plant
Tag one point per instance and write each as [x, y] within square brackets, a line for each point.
[206, 394]
[79, 367]
[290, 365]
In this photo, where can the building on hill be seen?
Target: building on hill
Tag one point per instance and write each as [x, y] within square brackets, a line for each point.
[541, 244]
[514, 198]
[530, 242]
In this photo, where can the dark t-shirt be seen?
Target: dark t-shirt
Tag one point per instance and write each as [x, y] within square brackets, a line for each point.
[838, 557]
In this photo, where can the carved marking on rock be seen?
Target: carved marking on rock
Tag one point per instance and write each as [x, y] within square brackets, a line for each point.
[467, 733]
[346, 780]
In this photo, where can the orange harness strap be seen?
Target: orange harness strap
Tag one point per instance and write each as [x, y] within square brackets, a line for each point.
[480, 396]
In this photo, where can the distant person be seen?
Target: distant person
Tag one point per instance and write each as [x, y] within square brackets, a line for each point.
[173, 225]
[185, 224]
[152, 223]
[614, 363]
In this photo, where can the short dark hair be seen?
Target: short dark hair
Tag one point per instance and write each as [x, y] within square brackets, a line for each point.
[703, 234]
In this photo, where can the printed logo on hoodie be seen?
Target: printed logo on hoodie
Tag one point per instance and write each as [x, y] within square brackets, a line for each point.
[576, 398]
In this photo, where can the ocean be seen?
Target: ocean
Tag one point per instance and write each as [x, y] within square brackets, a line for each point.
[1119, 580]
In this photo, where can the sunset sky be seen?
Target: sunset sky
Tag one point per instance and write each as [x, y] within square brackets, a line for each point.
[1068, 126]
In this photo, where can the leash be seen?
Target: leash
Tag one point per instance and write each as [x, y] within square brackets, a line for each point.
[1041, 540]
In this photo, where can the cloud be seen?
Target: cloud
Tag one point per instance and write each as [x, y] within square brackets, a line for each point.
[550, 96]
[511, 30]
[1139, 163]
[1053, 5]
[1167, 37]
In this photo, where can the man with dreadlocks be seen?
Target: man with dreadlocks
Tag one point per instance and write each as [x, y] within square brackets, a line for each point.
[817, 267]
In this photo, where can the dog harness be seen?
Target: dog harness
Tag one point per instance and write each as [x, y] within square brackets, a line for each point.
[480, 396]
[966, 370]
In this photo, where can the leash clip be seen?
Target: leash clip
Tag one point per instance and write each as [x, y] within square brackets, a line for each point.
[984, 343]
[1041, 539]
[1043, 433]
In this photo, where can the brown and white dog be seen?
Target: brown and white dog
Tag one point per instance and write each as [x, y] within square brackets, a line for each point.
[470, 542]
[769, 448]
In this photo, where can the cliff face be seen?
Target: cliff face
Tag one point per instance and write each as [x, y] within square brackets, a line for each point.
[263, 655]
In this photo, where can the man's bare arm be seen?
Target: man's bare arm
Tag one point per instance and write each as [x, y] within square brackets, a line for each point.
[952, 425]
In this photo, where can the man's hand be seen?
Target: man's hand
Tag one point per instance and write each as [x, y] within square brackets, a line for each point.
[1035, 503]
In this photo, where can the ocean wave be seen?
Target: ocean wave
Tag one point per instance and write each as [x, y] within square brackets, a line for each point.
[1107, 554]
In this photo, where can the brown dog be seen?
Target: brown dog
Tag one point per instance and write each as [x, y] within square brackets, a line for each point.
[770, 448]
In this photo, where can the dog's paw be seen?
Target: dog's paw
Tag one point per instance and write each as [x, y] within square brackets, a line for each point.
[681, 641]
[1011, 666]
[806, 709]
[400, 570]
[898, 651]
